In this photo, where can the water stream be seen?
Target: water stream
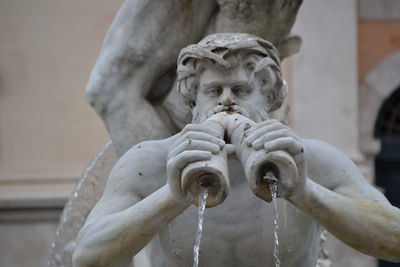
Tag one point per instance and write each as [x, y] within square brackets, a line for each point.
[202, 206]
[274, 190]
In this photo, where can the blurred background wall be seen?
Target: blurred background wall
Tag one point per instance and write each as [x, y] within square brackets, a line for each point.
[339, 83]
[346, 69]
[48, 132]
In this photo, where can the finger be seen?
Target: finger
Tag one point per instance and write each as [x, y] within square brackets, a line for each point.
[201, 128]
[270, 136]
[261, 131]
[259, 125]
[190, 144]
[199, 136]
[285, 143]
[187, 157]
[176, 165]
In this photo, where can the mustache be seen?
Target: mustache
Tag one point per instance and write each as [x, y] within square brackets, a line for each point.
[228, 109]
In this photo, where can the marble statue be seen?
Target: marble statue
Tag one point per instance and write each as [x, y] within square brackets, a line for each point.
[232, 83]
[132, 86]
[131, 82]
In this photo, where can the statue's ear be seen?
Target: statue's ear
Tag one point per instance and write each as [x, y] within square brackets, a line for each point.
[290, 46]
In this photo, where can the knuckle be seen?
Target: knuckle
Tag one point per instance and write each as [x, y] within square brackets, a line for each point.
[189, 127]
[272, 126]
[289, 140]
[171, 152]
[185, 154]
[169, 158]
[188, 134]
[170, 164]
[274, 121]
[192, 135]
[284, 132]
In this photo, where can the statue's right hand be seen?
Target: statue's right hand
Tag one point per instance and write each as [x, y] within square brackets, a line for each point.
[196, 142]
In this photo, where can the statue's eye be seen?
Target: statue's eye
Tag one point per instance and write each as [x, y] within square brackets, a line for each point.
[241, 90]
[214, 91]
[250, 66]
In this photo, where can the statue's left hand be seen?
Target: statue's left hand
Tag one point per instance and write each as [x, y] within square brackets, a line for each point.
[272, 135]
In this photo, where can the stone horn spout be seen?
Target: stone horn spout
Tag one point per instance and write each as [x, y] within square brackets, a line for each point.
[212, 174]
[261, 167]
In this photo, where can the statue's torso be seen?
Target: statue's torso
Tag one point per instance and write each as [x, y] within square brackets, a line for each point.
[239, 232]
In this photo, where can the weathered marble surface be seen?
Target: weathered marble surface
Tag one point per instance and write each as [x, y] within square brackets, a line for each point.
[177, 117]
[221, 75]
[130, 85]
[135, 70]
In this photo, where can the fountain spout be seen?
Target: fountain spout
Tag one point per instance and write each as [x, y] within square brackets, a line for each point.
[260, 166]
[211, 174]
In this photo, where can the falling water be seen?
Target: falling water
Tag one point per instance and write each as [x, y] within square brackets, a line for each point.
[274, 189]
[202, 206]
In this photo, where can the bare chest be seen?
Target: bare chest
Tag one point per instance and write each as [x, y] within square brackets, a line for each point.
[240, 232]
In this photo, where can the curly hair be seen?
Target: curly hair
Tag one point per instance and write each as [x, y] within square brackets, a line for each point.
[216, 48]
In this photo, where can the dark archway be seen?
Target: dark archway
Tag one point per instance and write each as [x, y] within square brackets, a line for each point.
[387, 163]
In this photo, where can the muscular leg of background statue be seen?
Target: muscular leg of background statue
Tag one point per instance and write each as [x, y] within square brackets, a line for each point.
[141, 46]
[270, 19]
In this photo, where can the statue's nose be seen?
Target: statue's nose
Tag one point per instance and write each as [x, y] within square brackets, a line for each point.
[227, 101]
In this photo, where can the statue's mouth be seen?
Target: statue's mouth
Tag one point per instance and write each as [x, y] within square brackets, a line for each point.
[231, 109]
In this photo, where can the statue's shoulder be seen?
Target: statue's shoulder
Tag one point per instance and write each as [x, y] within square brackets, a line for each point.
[315, 146]
[320, 151]
[328, 165]
[141, 169]
[149, 154]
[153, 148]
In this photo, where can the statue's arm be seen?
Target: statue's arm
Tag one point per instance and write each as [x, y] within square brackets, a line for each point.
[133, 209]
[333, 191]
[139, 52]
[340, 199]
[136, 203]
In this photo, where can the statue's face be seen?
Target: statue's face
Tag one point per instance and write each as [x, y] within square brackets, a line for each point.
[227, 90]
